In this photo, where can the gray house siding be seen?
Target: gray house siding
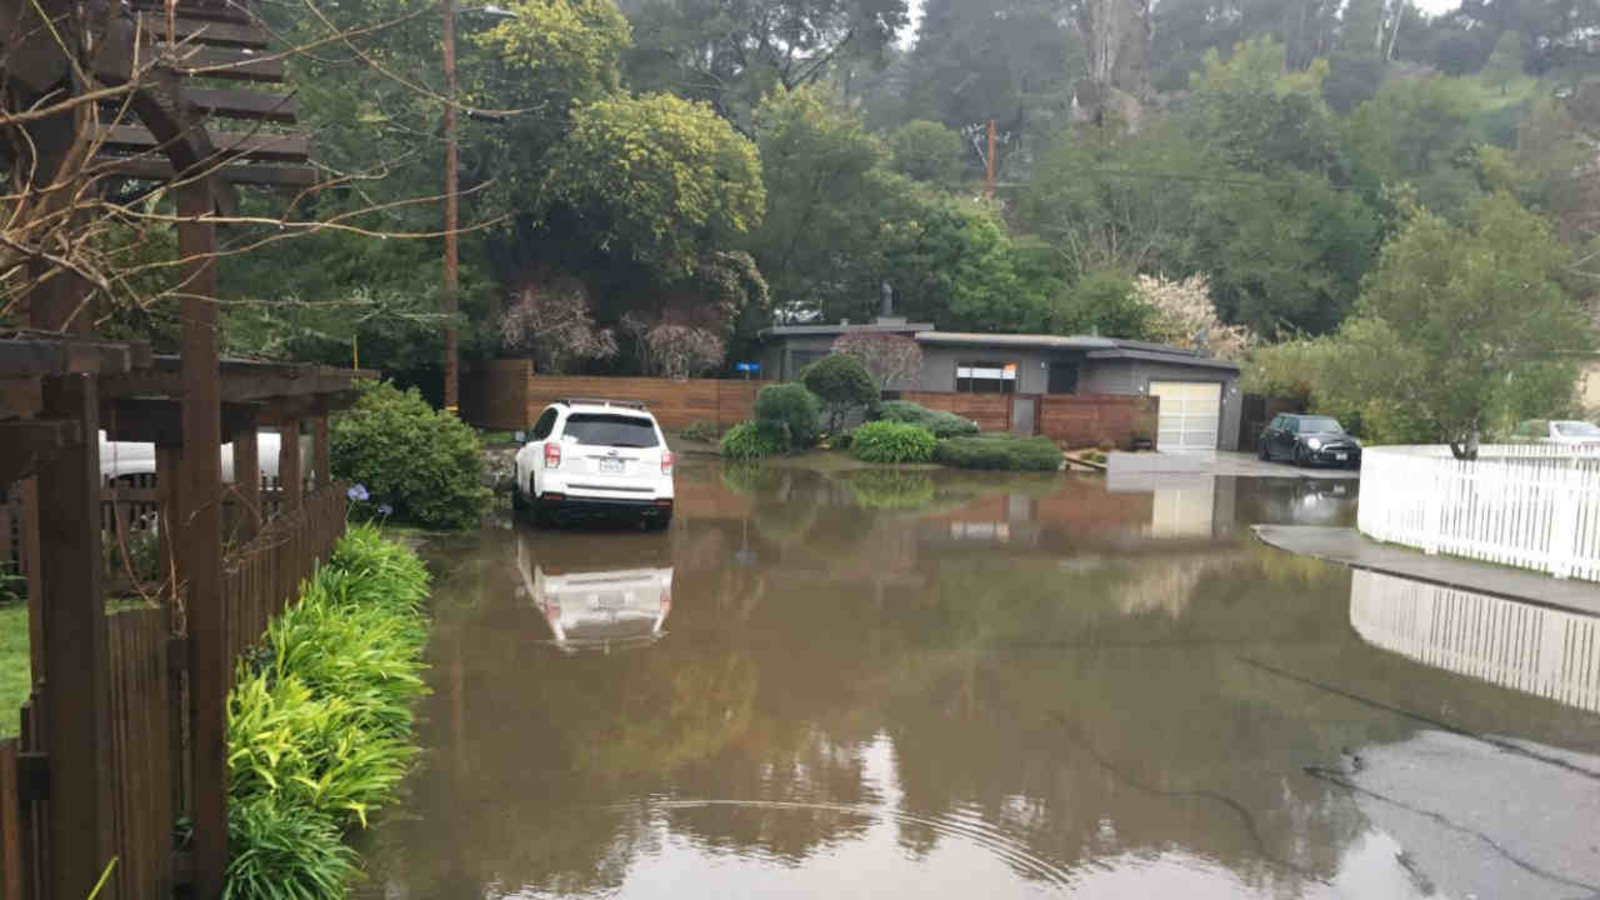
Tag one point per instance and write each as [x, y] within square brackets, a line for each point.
[1033, 366]
[1145, 372]
[1109, 376]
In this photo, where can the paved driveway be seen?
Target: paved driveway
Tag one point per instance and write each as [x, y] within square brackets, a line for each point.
[1219, 462]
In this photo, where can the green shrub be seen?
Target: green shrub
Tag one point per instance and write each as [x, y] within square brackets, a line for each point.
[843, 385]
[427, 465]
[320, 720]
[790, 408]
[892, 442]
[701, 432]
[942, 424]
[748, 441]
[1004, 452]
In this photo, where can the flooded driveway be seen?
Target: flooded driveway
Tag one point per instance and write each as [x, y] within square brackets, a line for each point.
[952, 685]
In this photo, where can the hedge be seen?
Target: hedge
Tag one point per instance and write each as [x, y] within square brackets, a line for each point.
[791, 409]
[942, 424]
[320, 721]
[999, 451]
[749, 441]
[892, 442]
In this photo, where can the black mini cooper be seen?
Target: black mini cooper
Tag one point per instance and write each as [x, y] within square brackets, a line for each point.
[1310, 441]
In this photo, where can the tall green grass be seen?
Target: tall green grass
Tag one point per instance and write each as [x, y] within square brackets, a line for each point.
[319, 722]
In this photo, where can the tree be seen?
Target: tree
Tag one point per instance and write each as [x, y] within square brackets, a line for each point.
[1505, 61]
[1186, 317]
[656, 179]
[732, 53]
[1457, 318]
[889, 358]
[682, 351]
[551, 320]
[1103, 302]
[843, 386]
[928, 151]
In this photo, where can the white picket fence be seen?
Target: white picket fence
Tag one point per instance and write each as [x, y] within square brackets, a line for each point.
[1534, 506]
[1547, 652]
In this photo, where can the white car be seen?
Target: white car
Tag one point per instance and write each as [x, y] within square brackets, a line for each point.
[594, 458]
[130, 459]
[1574, 433]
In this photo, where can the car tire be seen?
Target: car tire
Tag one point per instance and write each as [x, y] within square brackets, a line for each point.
[658, 523]
[1261, 450]
[518, 504]
[1299, 457]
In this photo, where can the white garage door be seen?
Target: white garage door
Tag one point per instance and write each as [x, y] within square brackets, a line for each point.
[1191, 415]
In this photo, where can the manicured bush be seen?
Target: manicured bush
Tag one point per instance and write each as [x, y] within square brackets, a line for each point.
[892, 442]
[320, 721]
[702, 432]
[790, 408]
[749, 441]
[427, 465]
[942, 424]
[843, 385]
[997, 451]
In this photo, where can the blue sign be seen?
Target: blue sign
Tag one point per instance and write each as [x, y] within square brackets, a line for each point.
[747, 367]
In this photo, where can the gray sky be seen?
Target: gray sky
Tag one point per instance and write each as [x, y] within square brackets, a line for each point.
[909, 35]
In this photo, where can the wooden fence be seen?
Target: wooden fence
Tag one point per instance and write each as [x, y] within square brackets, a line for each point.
[1528, 648]
[1535, 506]
[149, 781]
[507, 396]
[1074, 420]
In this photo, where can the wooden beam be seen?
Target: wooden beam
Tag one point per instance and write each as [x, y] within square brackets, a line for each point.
[159, 420]
[199, 535]
[263, 146]
[244, 104]
[22, 358]
[152, 169]
[247, 482]
[21, 397]
[321, 455]
[202, 31]
[233, 65]
[76, 714]
[242, 381]
[291, 483]
[27, 444]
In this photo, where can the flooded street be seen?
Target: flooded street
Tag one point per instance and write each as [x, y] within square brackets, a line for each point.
[950, 685]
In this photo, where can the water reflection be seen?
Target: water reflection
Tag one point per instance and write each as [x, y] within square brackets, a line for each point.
[601, 605]
[1547, 652]
[934, 682]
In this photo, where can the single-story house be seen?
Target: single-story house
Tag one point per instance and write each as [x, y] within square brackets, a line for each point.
[1200, 399]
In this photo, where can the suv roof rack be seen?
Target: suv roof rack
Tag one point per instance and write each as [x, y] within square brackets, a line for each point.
[601, 401]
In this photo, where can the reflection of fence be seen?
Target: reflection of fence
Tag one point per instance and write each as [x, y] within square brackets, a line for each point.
[1540, 651]
[1535, 506]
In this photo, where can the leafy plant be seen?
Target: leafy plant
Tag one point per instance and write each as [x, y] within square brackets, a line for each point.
[942, 424]
[283, 853]
[702, 432]
[843, 385]
[789, 408]
[892, 442]
[749, 441]
[427, 464]
[1000, 451]
[12, 584]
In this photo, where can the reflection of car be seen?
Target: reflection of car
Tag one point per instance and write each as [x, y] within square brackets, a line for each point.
[595, 457]
[130, 459]
[1309, 440]
[592, 607]
[1568, 432]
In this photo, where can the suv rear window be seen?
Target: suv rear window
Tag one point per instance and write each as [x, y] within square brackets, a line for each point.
[611, 431]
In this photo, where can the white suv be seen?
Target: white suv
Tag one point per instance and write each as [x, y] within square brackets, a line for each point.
[594, 458]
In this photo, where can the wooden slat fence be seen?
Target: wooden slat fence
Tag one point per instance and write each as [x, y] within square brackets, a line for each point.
[508, 396]
[1533, 506]
[1547, 652]
[146, 734]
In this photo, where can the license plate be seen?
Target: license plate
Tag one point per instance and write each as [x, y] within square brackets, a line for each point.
[611, 465]
[1340, 457]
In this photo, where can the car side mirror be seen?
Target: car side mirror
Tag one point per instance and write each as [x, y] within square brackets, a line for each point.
[521, 437]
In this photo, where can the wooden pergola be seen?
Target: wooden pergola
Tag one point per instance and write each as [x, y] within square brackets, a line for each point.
[59, 386]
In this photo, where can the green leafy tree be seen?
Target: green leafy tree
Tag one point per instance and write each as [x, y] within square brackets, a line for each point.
[1104, 302]
[928, 151]
[1259, 118]
[1505, 61]
[1457, 320]
[842, 384]
[1415, 131]
[657, 179]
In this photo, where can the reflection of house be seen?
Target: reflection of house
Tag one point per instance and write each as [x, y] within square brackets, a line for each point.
[1200, 404]
[1541, 651]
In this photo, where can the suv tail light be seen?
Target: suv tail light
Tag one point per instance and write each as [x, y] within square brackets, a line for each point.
[666, 463]
[552, 456]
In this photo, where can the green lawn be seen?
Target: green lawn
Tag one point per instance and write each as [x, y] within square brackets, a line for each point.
[15, 677]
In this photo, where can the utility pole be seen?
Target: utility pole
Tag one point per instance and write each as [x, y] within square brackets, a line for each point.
[989, 165]
[452, 373]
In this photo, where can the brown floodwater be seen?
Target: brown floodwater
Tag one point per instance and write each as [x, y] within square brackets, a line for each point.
[946, 685]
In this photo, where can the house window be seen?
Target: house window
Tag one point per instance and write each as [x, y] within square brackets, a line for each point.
[802, 358]
[986, 377]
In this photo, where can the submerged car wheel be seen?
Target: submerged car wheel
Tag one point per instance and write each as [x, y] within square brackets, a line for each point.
[518, 504]
[1300, 456]
[658, 523]
[1261, 450]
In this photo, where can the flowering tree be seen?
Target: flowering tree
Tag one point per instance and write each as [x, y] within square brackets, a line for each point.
[1186, 317]
[551, 321]
[888, 357]
[680, 351]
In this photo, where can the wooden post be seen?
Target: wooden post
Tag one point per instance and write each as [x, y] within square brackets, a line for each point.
[169, 473]
[76, 714]
[290, 481]
[30, 552]
[247, 482]
[321, 454]
[200, 537]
